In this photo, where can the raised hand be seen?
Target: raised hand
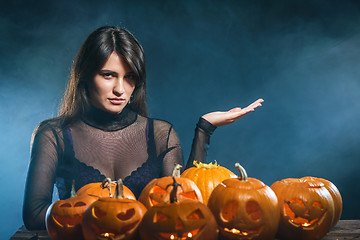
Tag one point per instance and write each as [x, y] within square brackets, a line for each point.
[220, 118]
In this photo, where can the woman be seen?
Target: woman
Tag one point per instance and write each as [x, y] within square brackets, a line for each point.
[103, 130]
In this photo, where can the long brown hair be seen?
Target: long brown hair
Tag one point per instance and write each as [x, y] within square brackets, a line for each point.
[91, 57]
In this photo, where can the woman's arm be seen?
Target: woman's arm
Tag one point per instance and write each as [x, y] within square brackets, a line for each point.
[40, 178]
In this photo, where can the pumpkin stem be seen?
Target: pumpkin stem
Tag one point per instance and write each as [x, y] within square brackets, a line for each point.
[173, 193]
[243, 174]
[119, 190]
[205, 165]
[107, 184]
[73, 192]
[176, 171]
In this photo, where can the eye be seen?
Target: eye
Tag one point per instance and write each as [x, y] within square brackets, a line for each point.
[253, 210]
[79, 204]
[297, 202]
[66, 205]
[97, 213]
[159, 217]
[229, 211]
[195, 215]
[317, 204]
[127, 215]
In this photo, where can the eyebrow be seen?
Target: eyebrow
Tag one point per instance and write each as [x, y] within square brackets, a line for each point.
[114, 73]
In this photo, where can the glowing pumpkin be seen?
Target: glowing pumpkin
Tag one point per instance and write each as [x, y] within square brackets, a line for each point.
[64, 217]
[158, 190]
[113, 218]
[245, 208]
[207, 177]
[188, 219]
[335, 193]
[306, 208]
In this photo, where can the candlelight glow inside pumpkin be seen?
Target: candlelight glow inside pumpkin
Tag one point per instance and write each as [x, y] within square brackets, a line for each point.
[189, 219]
[245, 208]
[113, 218]
[303, 215]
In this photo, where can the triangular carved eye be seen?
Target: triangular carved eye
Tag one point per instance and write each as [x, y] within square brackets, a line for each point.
[159, 217]
[253, 210]
[191, 195]
[65, 205]
[79, 204]
[229, 211]
[195, 215]
[127, 215]
[157, 189]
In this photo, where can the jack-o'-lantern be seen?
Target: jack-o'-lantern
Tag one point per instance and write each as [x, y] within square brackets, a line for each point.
[113, 218]
[158, 190]
[245, 208]
[335, 193]
[64, 217]
[103, 189]
[207, 177]
[306, 207]
[189, 219]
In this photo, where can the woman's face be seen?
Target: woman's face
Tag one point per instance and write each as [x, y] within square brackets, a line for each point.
[113, 85]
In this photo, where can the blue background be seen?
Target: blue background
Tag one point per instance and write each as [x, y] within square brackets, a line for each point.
[301, 57]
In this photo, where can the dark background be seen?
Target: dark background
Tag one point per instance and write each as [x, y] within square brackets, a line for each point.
[301, 57]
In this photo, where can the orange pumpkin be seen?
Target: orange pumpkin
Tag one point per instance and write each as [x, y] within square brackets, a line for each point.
[245, 208]
[306, 208]
[159, 189]
[113, 218]
[64, 217]
[207, 177]
[335, 193]
[104, 189]
[188, 219]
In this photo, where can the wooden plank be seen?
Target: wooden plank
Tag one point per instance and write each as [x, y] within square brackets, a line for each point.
[344, 230]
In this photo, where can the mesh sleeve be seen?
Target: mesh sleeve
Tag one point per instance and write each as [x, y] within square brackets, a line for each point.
[40, 178]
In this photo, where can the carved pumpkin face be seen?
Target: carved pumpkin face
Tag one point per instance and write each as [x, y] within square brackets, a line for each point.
[64, 217]
[307, 208]
[188, 219]
[111, 218]
[158, 191]
[245, 209]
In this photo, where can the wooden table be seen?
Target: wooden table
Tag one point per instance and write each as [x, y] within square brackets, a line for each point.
[344, 230]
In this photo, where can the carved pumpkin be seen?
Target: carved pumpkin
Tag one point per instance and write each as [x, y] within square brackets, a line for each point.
[335, 193]
[245, 208]
[63, 217]
[104, 189]
[158, 190]
[113, 218]
[306, 209]
[207, 177]
[188, 219]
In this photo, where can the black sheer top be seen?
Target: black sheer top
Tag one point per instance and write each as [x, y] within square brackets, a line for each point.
[126, 145]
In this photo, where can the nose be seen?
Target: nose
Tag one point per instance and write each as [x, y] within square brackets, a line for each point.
[119, 87]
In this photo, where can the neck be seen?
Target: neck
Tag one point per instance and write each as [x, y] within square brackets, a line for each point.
[109, 121]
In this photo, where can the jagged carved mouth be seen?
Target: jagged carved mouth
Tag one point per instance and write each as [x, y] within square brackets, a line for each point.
[305, 220]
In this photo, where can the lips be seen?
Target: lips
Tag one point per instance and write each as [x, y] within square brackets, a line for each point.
[117, 101]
